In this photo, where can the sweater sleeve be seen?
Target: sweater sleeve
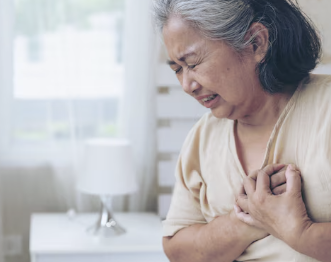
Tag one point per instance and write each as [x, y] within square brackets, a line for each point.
[185, 208]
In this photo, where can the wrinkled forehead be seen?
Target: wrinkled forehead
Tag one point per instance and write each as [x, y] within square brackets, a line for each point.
[181, 38]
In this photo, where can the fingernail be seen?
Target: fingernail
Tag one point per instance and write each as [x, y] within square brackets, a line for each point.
[292, 167]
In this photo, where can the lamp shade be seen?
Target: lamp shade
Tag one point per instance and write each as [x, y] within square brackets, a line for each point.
[107, 168]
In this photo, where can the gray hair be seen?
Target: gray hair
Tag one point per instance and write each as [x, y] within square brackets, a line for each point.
[294, 43]
[218, 20]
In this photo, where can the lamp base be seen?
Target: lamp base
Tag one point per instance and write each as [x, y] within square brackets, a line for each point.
[106, 225]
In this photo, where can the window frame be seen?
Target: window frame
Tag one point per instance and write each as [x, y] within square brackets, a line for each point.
[11, 154]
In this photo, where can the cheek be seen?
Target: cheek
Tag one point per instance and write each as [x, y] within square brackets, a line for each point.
[210, 76]
[223, 72]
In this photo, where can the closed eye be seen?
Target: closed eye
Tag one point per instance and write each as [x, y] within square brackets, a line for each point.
[178, 70]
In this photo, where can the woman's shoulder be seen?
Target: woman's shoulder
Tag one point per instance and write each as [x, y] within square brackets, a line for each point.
[316, 90]
[207, 130]
[317, 85]
[315, 96]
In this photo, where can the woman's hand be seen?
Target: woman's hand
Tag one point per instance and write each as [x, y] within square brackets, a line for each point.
[277, 179]
[251, 232]
[283, 216]
[277, 185]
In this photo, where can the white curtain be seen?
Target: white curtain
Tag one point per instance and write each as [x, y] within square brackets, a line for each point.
[6, 23]
[66, 68]
[137, 110]
[139, 101]
[39, 166]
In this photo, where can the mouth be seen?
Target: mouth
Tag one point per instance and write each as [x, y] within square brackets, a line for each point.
[210, 101]
[209, 98]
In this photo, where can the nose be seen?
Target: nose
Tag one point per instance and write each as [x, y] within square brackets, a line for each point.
[189, 84]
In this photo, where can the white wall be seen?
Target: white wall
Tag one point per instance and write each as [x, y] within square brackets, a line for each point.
[320, 11]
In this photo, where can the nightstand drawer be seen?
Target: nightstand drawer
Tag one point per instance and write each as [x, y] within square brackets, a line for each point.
[133, 257]
[57, 238]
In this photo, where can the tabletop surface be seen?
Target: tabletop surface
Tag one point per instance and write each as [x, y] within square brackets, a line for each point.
[59, 233]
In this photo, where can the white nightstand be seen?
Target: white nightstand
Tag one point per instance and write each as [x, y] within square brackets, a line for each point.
[57, 238]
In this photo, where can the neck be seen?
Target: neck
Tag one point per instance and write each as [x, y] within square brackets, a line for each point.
[266, 112]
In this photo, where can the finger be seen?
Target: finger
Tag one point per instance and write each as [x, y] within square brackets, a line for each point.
[237, 209]
[270, 169]
[273, 168]
[246, 218]
[293, 179]
[242, 190]
[263, 183]
[263, 177]
[242, 202]
[249, 185]
[253, 174]
[279, 190]
[277, 179]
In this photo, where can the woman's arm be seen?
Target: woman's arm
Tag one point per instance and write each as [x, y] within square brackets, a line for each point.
[315, 242]
[224, 239]
[284, 216]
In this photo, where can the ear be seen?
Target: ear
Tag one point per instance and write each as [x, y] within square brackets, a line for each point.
[258, 36]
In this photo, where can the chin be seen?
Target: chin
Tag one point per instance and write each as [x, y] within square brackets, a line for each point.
[222, 113]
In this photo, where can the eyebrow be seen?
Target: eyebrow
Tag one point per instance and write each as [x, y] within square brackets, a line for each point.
[182, 58]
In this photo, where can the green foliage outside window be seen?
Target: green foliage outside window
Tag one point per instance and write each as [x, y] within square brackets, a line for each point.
[34, 17]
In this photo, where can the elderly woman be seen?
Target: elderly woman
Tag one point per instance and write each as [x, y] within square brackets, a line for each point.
[239, 194]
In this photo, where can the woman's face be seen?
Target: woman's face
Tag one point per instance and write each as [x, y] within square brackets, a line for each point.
[212, 72]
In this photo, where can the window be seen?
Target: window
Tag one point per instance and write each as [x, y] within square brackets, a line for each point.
[68, 70]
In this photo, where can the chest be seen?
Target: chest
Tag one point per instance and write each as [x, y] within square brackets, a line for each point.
[223, 171]
[251, 152]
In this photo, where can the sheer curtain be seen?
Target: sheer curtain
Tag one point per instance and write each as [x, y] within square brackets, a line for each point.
[138, 105]
[71, 70]
[5, 69]
[81, 69]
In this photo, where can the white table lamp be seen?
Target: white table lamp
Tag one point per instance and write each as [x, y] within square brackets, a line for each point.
[107, 170]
